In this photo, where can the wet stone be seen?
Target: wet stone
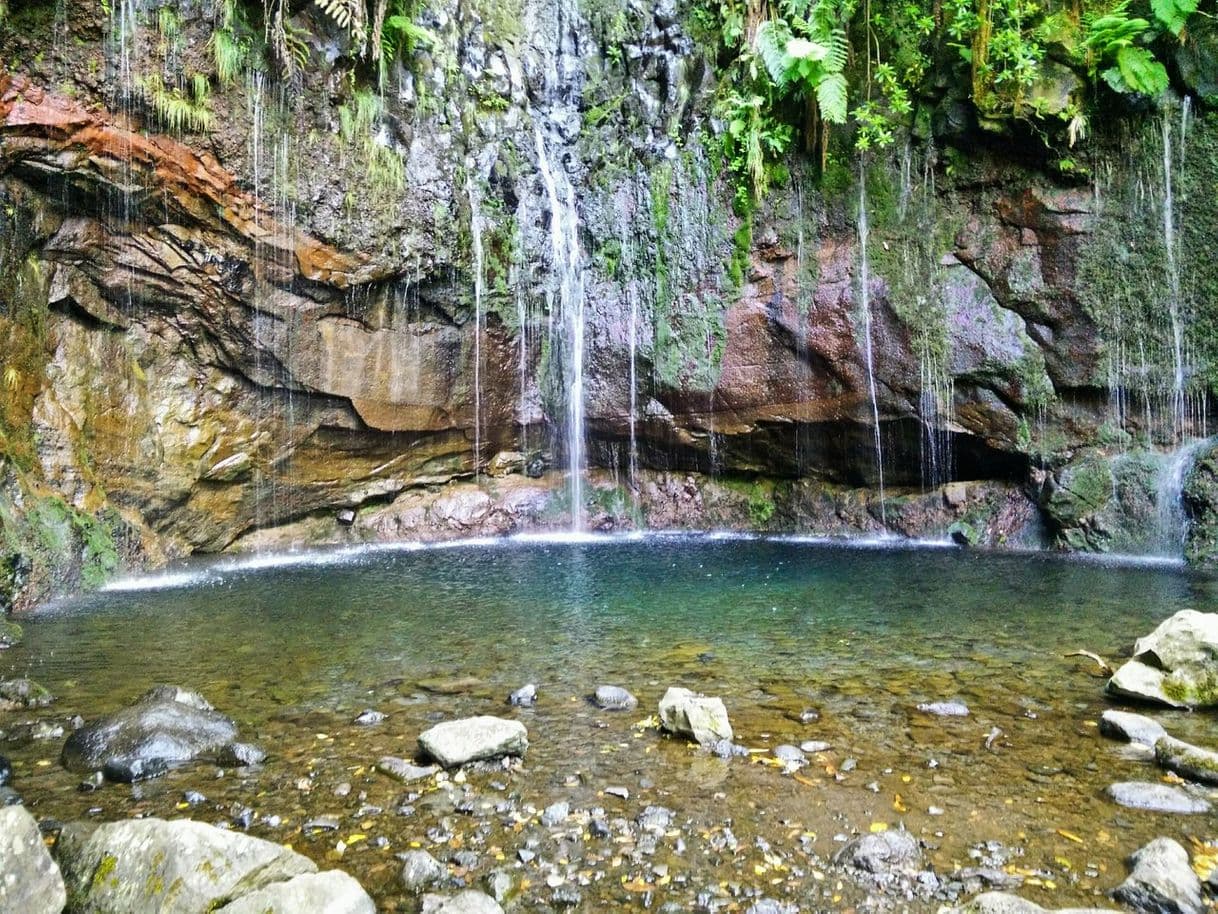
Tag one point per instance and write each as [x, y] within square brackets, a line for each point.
[1162, 881]
[614, 698]
[655, 818]
[1155, 798]
[770, 906]
[524, 697]
[10, 634]
[455, 685]
[6, 771]
[555, 814]
[21, 694]
[1133, 728]
[1187, 760]
[620, 792]
[944, 708]
[9, 797]
[885, 852]
[370, 718]
[404, 771]
[467, 902]
[789, 755]
[132, 770]
[812, 746]
[240, 755]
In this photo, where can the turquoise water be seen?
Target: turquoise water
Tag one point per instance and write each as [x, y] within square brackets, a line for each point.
[295, 647]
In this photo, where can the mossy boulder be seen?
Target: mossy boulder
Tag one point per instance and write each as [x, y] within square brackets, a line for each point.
[1175, 665]
[1073, 500]
[10, 634]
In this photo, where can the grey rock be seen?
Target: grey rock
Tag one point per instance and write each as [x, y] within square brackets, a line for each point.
[555, 814]
[885, 852]
[420, 870]
[944, 708]
[22, 694]
[10, 634]
[333, 892]
[524, 697]
[814, 745]
[467, 902]
[770, 906]
[155, 727]
[404, 771]
[456, 742]
[1155, 798]
[369, 717]
[1133, 728]
[1004, 903]
[240, 755]
[1187, 760]
[655, 819]
[614, 698]
[1175, 665]
[179, 867]
[1162, 881]
[133, 770]
[498, 884]
[6, 771]
[9, 797]
[696, 717]
[29, 880]
[790, 755]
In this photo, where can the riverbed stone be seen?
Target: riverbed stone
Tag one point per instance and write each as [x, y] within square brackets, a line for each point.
[449, 685]
[467, 902]
[10, 634]
[402, 770]
[23, 694]
[891, 851]
[1187, 760]
[420, 870]
[174, 867]
[6, 771]
[1006, 903]
[525, 696]
[697, 717]
[1155, 798]
[944, 708]
[171, 725]
[1162, 881]
[1175, 665]
[1133, 728]
[455, 742]
[30, 882]
[332, 892]
[614, 698]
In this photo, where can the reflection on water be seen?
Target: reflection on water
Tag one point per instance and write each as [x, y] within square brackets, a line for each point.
[294, 648]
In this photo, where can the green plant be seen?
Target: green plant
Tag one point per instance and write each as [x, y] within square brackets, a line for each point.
[359, 126]
[179, 109]
[1111, 49]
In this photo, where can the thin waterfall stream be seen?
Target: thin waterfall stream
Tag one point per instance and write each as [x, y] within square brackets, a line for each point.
[865, 304]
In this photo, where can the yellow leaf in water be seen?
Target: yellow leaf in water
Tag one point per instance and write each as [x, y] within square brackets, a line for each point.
[1070, 836]
[356, 839]
[806, 781]
[905, 779]
[877, 827]
[759, 869]
[899, 805]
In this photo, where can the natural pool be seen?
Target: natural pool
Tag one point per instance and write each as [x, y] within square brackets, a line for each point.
[295, 647]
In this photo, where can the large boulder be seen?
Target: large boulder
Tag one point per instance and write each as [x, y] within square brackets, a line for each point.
[1162, 881]
[332, 892]
[1175, 665]
[1155, 798]
[178, 867]
[29, 880]
[467, 902]
[472, 739]
[165, 726]
[695, 716]
[1133, 728]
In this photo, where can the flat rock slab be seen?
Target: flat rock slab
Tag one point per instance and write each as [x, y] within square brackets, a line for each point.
[333, 892]
[1162, 881]
[169, 726]
[1005, 903]
[695, 716]
[468, 902]
[614, 698]
[402, 770]
[1133, 728]
[29, 880]
[1187, 760]
[472, 739]
[944, 708]
[1155, 798]
[178, 867]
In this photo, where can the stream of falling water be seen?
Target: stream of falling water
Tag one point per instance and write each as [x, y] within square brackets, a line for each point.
[865, 300]
[475, 230]
[568, 265]
[1171, 522]
[632, 298]
[1173, 278]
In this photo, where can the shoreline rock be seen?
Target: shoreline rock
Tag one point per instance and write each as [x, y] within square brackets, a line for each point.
[472, 739]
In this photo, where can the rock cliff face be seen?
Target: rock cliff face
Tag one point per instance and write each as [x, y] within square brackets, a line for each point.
[336, 300]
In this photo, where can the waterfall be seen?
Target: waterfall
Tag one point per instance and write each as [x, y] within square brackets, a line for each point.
[475, 230]
[865, 301]
[1171, 525]
[522, 363]
[632, 298]
[567, 264]
[1173, 279]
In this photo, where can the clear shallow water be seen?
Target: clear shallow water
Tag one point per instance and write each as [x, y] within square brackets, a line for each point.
[295, 647]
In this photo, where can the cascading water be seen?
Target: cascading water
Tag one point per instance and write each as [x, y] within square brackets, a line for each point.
[1171, 524]
[475, 230]
[865, 302]
[567, 265]
[1173, 278]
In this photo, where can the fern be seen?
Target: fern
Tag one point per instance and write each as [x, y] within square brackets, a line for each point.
[831, 96]
[1140, 72]
[771, 45]
[348, 15]
[179, 111]
[1173, 14]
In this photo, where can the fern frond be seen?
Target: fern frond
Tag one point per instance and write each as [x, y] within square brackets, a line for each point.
[348, 15]
[1173, 14]
[831, 97]
[771, 43]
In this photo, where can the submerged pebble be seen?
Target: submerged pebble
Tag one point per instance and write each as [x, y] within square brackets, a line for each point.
[944, 708]
[614, 698]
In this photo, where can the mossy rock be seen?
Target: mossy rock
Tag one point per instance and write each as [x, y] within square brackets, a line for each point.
[1201, 507]
[10, 634]
[1078, 493]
